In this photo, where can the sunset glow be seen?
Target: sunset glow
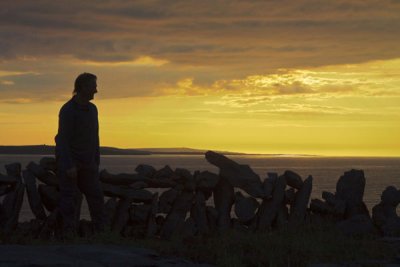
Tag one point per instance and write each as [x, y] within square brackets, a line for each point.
[290, 77]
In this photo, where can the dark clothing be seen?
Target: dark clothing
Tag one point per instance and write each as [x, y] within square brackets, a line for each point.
[77, 145]
[88, 183]
[77, 141]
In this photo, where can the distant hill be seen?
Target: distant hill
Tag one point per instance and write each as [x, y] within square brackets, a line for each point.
[49, 150]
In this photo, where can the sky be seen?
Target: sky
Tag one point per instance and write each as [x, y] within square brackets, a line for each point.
[276, 77]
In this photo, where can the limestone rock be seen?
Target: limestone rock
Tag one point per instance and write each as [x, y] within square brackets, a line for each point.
[350, 188]
[241, 176]
[206, 180]
[120, 179]
[45, 176]
[391, 196]
[14, 170]
[12, 204]
[269, 207]
[136, 195]
[319, 206]
[49, 196]
[48, 163]
[138, 185]
[269, 184]
[164, 173]
[298, 211]
[245, 207]
[223, 200]
[160, 183]
[176, 218]
[145, 170]
[166, 200]
[212, 217]
[35, 201]
[85, 228]
[293, 179]
[329, 197]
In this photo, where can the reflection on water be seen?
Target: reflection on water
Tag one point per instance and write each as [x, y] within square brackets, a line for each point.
[379, 172]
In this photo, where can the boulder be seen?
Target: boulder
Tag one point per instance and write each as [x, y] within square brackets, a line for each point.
[350, 188]
[321, 207]
[269, 207]
[293, 179]
[391, 196]
[329, 197]
[176, 218]
[120, 179]
[189, 228]
[138, 185]
[45, 176]
[166, 200]
[165, 173]
[224, 197]
[298, 210]
[145, 170]
[49, 196]
[12, 204]
[85, 228]
[186, 178]
[14, 170]
[206, 180]
[269, 184]
[135, 195]
[245, 207]
[160, 183]
[121, 215]
[199, 214]
[241, 176]
[35, 201]
[48, 163]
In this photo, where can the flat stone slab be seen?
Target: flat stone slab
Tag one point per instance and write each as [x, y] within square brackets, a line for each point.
[85, 255]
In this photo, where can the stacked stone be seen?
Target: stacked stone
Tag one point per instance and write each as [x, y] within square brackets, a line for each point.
[384, 214]
[346, 207]
[166, 202]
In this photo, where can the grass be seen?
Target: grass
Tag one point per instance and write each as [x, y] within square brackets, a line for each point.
[298, 246]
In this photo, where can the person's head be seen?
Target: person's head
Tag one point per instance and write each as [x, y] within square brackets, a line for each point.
[85, 86]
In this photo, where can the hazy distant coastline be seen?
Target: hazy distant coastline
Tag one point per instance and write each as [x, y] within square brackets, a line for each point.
[49, 150]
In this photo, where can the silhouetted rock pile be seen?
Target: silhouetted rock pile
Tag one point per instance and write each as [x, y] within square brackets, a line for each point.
[182, 204]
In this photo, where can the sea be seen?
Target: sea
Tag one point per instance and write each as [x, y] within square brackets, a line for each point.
[379, 172]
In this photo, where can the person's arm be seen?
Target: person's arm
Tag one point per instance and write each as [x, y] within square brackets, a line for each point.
[64, 137]
[97, 156]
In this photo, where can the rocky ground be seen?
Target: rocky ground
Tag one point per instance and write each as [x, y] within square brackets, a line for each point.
[85, 255]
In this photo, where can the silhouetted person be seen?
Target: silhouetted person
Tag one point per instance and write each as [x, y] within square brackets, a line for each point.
[78, 156]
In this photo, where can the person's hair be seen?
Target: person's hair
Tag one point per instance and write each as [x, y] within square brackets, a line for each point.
[82, 81]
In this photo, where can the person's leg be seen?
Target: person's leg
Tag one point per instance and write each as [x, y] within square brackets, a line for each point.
[90, 186]
[66, 205]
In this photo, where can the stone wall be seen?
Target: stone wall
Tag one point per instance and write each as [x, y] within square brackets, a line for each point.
[182, 204]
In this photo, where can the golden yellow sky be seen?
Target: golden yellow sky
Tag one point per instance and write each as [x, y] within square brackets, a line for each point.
[294, 77]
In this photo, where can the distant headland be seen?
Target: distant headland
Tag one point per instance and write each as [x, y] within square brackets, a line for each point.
[49, 150]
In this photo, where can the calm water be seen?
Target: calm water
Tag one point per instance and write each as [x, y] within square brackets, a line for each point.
[379, 172]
